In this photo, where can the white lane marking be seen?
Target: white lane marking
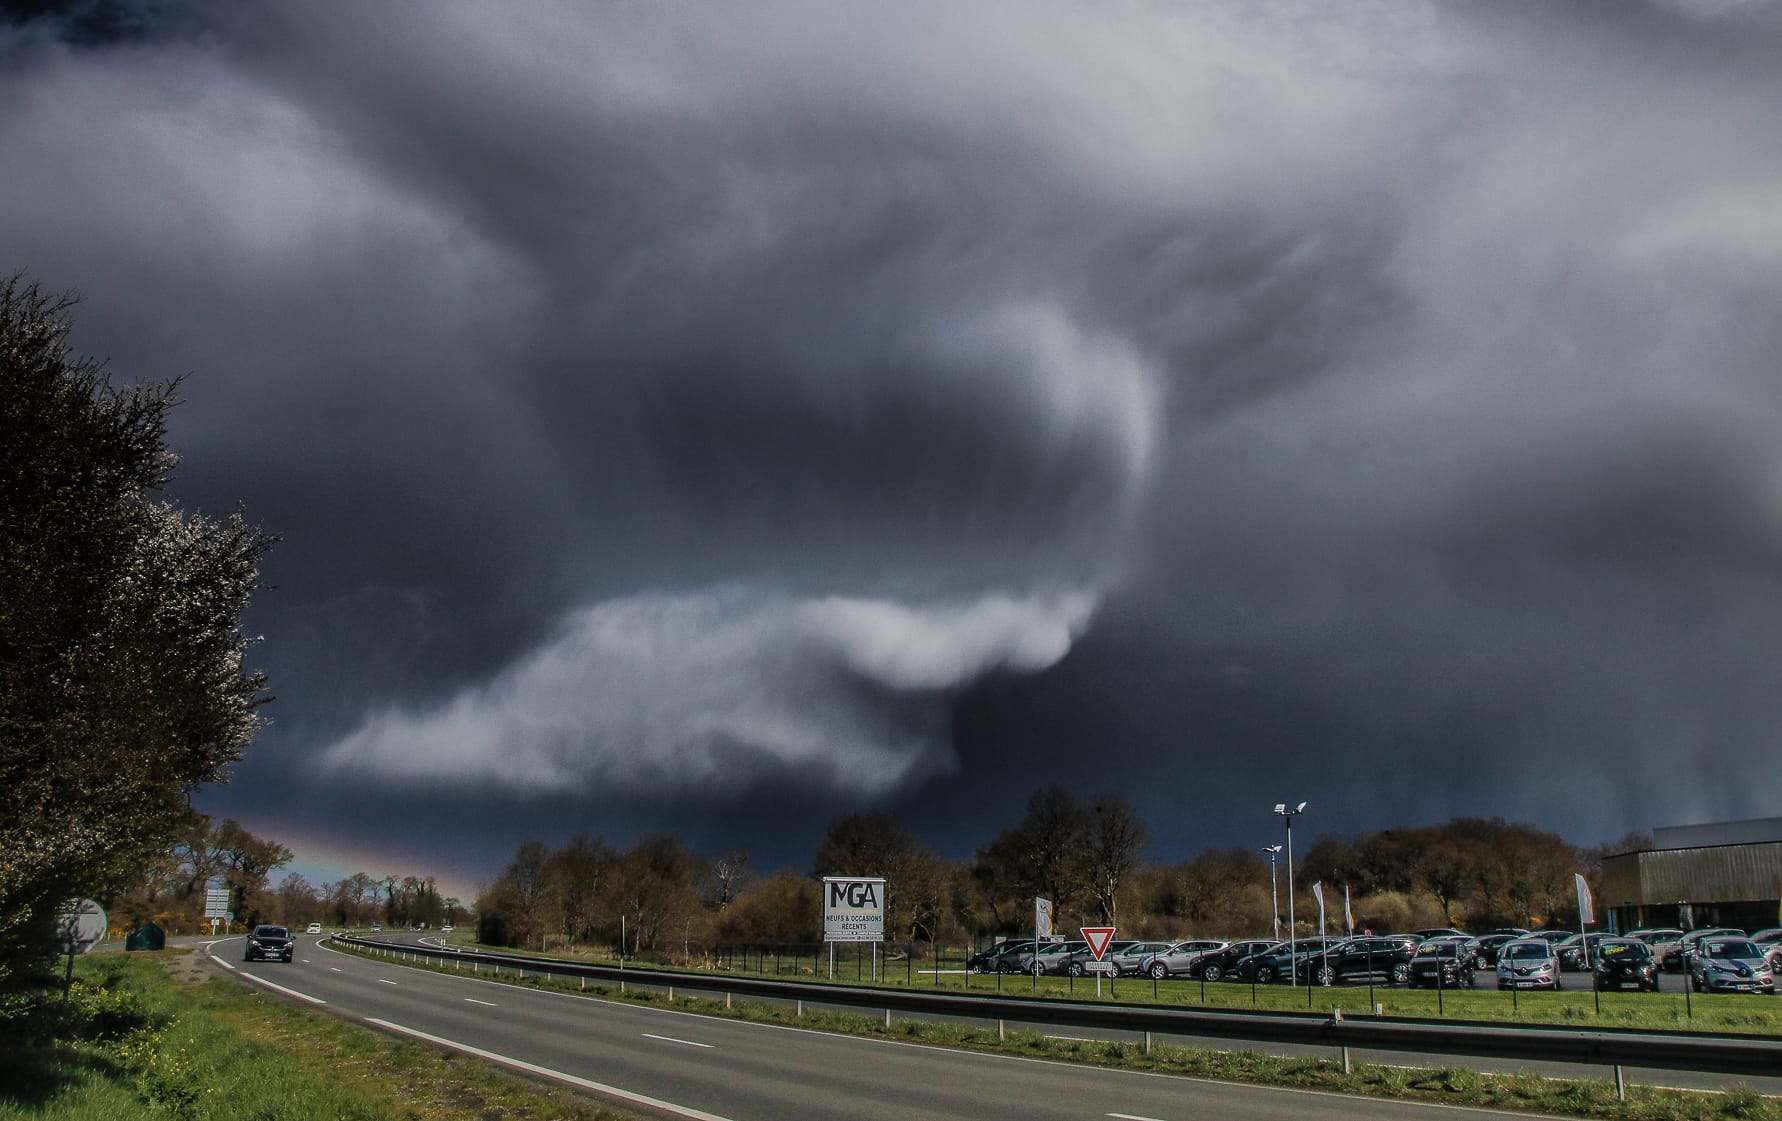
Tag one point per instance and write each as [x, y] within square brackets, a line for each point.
[288, 992]
[1133, 1117]
[223, 963]
[672, 1039]
[547, 1072]
[336, 968]
[382, 981]
[484, 1003]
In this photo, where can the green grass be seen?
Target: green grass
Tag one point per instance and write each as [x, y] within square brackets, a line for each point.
[1592, 1098]
[131, 1041]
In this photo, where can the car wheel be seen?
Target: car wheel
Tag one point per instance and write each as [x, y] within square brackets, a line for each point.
[1325, 975]
[1265, 974]
[1401, 972]
[1211, 971]
[1037, 969]
[1074, 969]
[1159, 971]
[974, 967]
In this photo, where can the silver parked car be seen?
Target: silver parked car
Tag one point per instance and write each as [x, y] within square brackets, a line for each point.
[1528, 963]
[1730, 965]
[1051, 958]
[1179, 959]
[1126, 957]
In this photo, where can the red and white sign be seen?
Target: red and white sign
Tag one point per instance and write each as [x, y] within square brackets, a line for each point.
[1098, 938]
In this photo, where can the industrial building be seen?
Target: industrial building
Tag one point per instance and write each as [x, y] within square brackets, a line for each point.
[1722, 874]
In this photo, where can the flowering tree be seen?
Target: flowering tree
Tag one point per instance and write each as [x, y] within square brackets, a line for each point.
[121, 680]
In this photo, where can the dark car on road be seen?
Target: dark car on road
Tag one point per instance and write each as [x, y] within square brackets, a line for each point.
[269, 943]
[1443, 962]
[1619, 962]
[1378, 958]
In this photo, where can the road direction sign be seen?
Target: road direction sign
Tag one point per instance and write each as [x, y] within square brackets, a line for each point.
[1098, 938]
[83, 927]
[216, 902]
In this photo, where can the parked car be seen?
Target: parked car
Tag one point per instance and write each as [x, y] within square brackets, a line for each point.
[269, 943]
[1770, 942]
[1127, 957]
[1658, 938]
[1528, 963]
[1490, 945]
[1553, 936]
[1513, 931]
[1361, 959]
[1180, 959]
[1444, 962]
[1078, 960]
[1282, 960]
[1730, 965]
[1619, 962]
[1573, 955]
[1003, 957]
[1438, 932]
[1219, 963]
[1050, 958]
[1675, 958]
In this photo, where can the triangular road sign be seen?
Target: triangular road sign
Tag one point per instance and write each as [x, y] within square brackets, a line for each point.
[1098, 938]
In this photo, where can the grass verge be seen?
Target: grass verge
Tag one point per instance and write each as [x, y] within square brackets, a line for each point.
[1525, 1092]
[137, 1039]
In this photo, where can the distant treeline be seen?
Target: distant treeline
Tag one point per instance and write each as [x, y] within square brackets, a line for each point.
[1088, 858]
[227, 855]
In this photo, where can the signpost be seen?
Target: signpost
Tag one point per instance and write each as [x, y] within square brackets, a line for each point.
[1099, 939]
[853, 911]
[82, 927]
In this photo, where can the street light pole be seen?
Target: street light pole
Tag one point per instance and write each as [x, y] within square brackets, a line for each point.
[1292, 930]
[1274, 893]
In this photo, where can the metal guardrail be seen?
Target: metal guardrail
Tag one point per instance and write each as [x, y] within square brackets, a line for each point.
[1717, 1054]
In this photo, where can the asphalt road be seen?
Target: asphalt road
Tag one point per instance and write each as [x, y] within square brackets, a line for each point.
[688, 1065]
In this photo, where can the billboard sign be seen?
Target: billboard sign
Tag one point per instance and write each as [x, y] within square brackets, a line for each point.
[853, 909]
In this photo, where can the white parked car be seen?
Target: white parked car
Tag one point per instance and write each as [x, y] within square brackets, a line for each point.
[314, 928]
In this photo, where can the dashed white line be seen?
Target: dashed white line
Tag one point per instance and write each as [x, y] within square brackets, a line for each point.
[547, 1072]
[1133, 1117]
[484, 1003]
[672, 1039]
[384, 982]
[336, 968]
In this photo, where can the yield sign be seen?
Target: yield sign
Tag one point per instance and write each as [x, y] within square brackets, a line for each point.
[1098, 938]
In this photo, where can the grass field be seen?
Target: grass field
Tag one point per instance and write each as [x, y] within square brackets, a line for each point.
[139, 1039]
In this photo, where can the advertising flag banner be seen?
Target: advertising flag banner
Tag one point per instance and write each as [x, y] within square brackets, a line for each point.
[1042, 917]
[1348, 915]
[1586, 905]
[1318, 893]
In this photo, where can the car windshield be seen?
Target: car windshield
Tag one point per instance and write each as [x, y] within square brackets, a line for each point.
[1739, 948]
[269, 932]
[1526, 950]
[1439, 950]
[1624, 950]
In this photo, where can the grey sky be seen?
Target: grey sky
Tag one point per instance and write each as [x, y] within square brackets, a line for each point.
[715, 418]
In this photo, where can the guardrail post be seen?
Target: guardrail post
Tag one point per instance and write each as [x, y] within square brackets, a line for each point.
[1002, 1032]
[1147, 1043]
[1620, 1084]
[800, 1012]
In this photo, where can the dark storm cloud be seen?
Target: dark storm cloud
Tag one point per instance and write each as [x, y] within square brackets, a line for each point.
[698, 402]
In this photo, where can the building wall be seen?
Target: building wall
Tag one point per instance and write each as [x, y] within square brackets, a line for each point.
[1718, 885]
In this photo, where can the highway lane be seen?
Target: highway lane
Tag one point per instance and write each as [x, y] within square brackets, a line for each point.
[706, 1067]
